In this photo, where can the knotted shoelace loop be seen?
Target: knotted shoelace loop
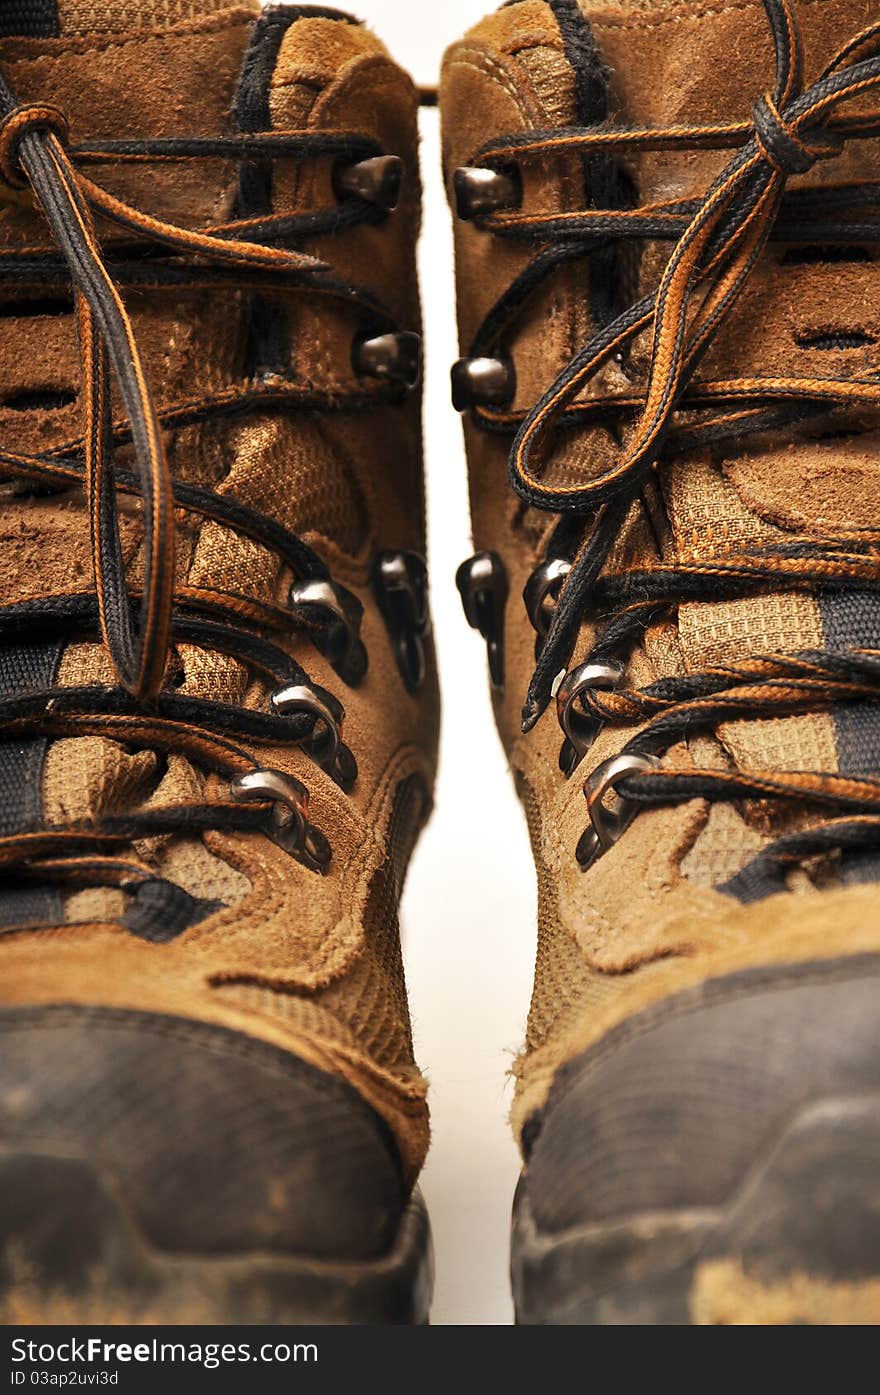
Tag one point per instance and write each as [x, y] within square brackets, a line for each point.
[718, 240]
[717, 252]
[782, 146]
[33, 152]
[143, 624]
[37, 116]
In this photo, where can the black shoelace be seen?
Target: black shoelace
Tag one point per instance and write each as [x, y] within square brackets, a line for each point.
[718, 240]
[143, 710]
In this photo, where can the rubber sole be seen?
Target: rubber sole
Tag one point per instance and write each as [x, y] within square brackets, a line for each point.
[70, 1254]
[798, 1242]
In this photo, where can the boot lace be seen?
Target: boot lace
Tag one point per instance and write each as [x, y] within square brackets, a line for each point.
[717, 242]
[138, 628]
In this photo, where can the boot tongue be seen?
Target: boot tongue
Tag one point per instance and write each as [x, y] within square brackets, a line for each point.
[809, 312]
[49, 19]
[682, 62]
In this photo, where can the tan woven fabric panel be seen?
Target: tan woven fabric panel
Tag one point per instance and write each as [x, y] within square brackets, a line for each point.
[709, 519]
[117, 16]
[565, 985]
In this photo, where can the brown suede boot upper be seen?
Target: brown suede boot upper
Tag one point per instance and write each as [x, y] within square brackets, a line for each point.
[667, 906]
[253, 384]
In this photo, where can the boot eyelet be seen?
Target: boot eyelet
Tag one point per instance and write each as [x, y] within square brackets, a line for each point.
[400, 585]
[336, 615]
[581, 730]
[480, 191]
[541, 590]
[483, 587]
[607, 826]
[394, 358]
[376, 181]
[325, 746]
[290, 818]
[482, 382]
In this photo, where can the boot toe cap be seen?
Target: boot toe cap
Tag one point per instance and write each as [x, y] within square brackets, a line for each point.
[672, 1108]
[210, 1142]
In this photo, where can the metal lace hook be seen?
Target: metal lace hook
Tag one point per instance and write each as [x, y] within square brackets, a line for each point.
[581, 729]
[607, 825]
[290, 817]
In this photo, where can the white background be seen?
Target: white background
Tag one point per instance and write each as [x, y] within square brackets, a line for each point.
[469, 908]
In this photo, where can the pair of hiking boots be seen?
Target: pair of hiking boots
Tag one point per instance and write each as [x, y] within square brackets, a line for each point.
[218, 688]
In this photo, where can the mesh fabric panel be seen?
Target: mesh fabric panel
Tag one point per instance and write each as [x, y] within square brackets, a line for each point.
[119, 16]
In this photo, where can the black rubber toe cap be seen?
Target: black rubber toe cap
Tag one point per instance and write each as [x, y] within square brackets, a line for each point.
[673, 1108]
[211, 1142]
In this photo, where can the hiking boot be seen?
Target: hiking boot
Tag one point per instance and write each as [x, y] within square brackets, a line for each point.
[216, 677]
[667, 246]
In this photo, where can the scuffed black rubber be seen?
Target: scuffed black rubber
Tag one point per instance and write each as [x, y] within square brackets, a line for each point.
[156, 1168]
[737, 1124]
[71, 1254]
